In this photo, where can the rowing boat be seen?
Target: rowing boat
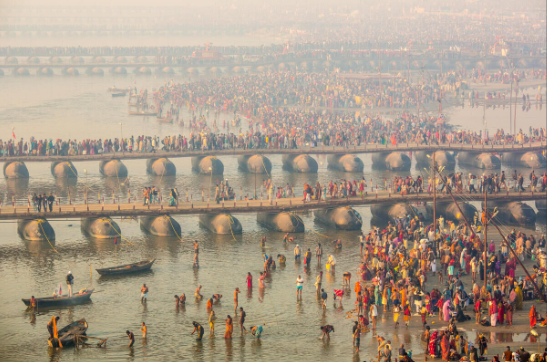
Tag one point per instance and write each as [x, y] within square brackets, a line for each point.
[141, 266]
[68, 334]
[119, 94]
[165, 120]
[142, 113]
[62, 301]
[116, 90]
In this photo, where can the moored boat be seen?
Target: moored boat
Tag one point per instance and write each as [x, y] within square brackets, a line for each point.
[79, 298]
[165, 120]
[119, 94]
[68, 334]
[141, 266]
[142, 113]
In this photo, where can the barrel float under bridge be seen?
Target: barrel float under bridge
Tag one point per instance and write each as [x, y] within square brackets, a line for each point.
[163, 225]
[300, 163]
[35, 230]
[529, 159]
[345, 163]
[258, 164]
[15, 169]
[161, 167]
[442, 159]
[340, 218]
[207, 165]
[285, 222]
[221, 224]
[63, 169]
[101, 227]
[482, 160]
[512, 213]
[112, 168]
[392, 161]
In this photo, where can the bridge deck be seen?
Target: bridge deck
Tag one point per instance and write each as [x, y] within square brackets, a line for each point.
[241, 206]
[321, 150]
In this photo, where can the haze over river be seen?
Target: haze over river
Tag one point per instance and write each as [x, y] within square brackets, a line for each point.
[77, 108]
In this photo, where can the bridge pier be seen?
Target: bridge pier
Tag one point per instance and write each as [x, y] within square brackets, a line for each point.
[284, 222]
[450, 211]
[512, 213]
[100, 228]
[161, 167]
[163, 225]
[64, 169]
[483, 160]
[530, 159]
[202, 165]
[258, 164]
[113, 168]
[345, 163]
[222, 224]
[300, 163]
[35, 230]
[442, 159]
[340, 218]
[15, 169]
[392, 161]
[391, 211]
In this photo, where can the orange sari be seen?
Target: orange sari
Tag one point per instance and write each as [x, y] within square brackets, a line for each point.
[229, 328]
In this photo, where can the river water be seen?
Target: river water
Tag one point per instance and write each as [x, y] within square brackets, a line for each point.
[63, 107]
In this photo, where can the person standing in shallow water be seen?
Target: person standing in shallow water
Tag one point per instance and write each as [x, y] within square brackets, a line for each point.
[236, 295]
[299, 284]
[318, 253]
[229, 328]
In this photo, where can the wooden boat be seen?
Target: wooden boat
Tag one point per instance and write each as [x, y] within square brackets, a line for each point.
[79, 298]
[141, 266]
[117, 90]
[68, 334]
[165, 120]
[119, 94]
[142, 113]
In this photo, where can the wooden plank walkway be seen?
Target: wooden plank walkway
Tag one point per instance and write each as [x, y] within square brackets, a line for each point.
[243, 206]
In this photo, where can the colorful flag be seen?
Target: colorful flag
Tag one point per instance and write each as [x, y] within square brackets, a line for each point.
[13, 134]
[116, 240]
[60, 289]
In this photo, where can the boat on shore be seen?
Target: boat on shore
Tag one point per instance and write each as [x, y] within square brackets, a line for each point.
[140, 267]
[79, 298]
[142, 113]
[69, 334]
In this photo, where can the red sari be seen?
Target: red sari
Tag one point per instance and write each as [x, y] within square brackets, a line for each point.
[501, 313]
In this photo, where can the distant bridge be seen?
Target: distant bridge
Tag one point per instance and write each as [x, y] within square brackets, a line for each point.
[320, 150]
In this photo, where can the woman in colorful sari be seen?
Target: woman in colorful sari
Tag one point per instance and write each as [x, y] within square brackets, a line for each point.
[446, 310]
[493, 313]
[445, 347]
[520, 297]
[433, 344]
[509, 313]
[533, 316]
[501, 313]
[229, 328]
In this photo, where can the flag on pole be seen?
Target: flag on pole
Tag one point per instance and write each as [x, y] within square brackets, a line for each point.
[60, 289]
[13, 134]
[116, 240]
